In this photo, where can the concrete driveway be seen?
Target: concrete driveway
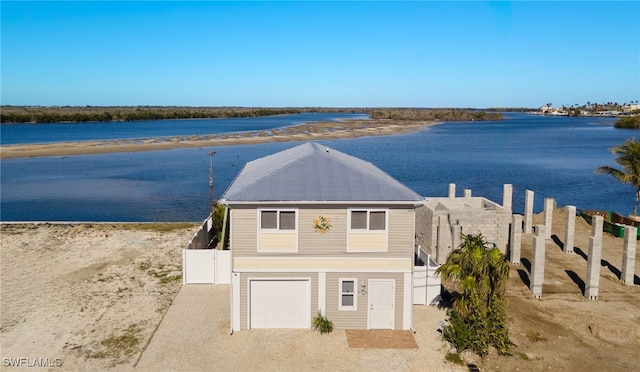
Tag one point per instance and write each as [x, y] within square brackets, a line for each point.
[195, 336]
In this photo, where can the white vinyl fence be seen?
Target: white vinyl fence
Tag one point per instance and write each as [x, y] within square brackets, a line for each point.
[206, 266]
[426, 284]
[201, 263]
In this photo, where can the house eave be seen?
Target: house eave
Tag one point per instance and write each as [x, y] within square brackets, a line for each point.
[413, 203]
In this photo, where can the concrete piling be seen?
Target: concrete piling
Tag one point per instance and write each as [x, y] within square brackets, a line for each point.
[570, 229]
[507, 196]
[629, 254]
[456, 231]
[537, 264]
[548, 216]
[467, 193]
[444, 239]
[593, 261]
[452, 190]
[515, 241]
[528, 211]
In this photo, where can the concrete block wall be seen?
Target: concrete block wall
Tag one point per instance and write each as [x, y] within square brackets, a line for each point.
[504, 221]
[445, 238]
[438, 218]
[492, 224]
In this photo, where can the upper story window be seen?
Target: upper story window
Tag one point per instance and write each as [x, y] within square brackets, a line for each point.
[278, 220]
[369, 220]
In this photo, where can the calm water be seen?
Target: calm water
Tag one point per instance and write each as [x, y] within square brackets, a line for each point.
[62, 132]
[554, 157]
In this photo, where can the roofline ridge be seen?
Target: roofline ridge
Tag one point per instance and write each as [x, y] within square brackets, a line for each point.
[379, 174]
[313, 151]
[232, 182]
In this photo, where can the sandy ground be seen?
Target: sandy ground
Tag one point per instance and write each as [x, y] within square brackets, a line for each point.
[303, 132]
[563, 331]
[86, 296]
[91, 296]
[204, 343]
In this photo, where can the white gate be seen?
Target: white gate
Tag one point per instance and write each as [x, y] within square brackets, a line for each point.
[426, 284]
[206, 266]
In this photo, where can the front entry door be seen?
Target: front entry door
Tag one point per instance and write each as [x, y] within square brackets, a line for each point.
[381, 303]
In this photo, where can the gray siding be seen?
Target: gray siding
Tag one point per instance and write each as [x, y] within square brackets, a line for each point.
[358, 319]
[243, 231]
[244, 292]
[331, 243]
[244, 227]
[401, 232]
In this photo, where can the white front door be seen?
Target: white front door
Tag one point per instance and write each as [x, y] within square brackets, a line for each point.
[382, 293]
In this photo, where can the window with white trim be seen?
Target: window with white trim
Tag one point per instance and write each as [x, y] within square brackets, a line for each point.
[348, 294]
[278, 220]
[369, 220]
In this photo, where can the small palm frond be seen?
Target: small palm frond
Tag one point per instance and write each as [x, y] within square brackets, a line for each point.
[628, 156]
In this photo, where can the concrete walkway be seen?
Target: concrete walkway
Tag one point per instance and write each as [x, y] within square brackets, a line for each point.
[192, 327]
[194, 336]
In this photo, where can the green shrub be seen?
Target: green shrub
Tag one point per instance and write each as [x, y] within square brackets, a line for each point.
[478, 318]
[454, 358]
[629, 122]
[322, 324]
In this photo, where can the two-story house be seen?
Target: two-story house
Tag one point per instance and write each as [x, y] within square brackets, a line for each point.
[313, 229]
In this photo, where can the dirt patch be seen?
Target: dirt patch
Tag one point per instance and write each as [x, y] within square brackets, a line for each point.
[563, 330]
[380, 339]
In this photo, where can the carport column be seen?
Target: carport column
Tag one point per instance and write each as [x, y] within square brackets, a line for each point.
[235, 302]
[593, 261]
[537, 264]
[515, 241]
[507, 196]
[452, 190]
[629, 254]
[548, 217]
[467, 193]
[569, 237]
[407, 306]
[528, 211]
[322, 292]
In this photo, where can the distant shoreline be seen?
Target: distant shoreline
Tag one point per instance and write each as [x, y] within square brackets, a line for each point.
[347, 128]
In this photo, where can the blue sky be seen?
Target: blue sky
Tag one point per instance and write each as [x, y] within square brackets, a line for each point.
[330, 54]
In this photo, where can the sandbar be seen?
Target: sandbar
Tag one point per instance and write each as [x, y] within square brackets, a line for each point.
[303, 132]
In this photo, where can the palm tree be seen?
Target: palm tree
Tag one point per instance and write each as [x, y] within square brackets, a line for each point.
[479, 274]
[629, 158]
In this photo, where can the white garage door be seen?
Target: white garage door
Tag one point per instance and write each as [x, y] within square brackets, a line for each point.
[280, 304]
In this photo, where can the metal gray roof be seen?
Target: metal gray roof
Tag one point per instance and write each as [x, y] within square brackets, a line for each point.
[311, 172]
